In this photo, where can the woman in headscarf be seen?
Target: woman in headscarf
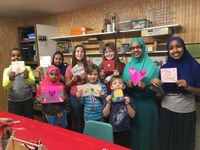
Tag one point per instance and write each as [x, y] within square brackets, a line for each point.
[144, 125]
[177, 113]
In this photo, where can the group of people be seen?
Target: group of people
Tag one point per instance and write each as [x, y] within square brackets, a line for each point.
[139, 121]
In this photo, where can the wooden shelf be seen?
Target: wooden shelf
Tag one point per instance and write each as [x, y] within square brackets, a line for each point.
[31, 63]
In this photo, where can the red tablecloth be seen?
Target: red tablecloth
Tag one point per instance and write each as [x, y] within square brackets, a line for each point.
[56, 138]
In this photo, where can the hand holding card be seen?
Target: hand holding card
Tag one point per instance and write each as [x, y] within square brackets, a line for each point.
[136, 76]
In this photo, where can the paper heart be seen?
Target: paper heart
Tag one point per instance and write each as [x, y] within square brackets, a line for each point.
[52, 93]
[136, 76]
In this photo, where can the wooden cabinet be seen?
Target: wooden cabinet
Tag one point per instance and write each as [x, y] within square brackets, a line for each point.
[34, 41]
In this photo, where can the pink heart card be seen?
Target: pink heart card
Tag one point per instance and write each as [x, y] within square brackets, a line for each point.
[52, 94]
[136, 76]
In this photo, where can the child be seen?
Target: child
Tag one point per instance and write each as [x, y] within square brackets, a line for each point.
[120, 114]
[93, 106]
[78, 58]
[58, 61]
[110, 53]
[20, 98]
[54, 113]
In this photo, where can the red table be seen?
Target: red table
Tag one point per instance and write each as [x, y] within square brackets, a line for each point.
[56, 138]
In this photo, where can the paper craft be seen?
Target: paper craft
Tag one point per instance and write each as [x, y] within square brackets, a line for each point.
[136, 76]
[45, 61]
[78, 70]
[18, 66]
[168, 75]
[108, 65]
[52, 94]
[90, 89]
[117, 96]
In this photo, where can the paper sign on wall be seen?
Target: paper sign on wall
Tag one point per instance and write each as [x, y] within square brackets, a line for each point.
[168, 75]
[18, 66]
[45, 61]
[117, 96]
[136, 76]
[90, 89]
[77, 70]
[52, 94]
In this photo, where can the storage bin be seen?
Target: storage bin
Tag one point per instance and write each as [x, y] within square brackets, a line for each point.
[140, 23]
[125, 25]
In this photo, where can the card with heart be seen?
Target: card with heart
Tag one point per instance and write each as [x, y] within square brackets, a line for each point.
[52, 94]
[136, 76]
[108, 65]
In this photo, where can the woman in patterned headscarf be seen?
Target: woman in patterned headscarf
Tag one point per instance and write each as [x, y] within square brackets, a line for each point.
[144, 129]
[178, 114]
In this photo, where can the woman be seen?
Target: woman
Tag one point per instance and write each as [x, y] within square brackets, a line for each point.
[177, 113]
[144, 125]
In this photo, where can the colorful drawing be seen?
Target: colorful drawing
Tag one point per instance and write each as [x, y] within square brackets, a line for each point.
[117, 96]
[136, 76]
[90, 89]
[168, 75]
[52, 94]
[18, 66]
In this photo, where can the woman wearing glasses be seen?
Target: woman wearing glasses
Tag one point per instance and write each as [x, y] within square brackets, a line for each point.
[144, 125]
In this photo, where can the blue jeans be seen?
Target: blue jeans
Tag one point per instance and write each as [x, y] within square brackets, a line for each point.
[77, 114]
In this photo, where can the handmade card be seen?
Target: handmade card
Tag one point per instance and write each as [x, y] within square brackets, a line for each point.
[168, 75]
[52, 94]
[108, 65]
[90, 89]
[136, 76]
[18, 66]
[117, 96]
[77, 70]
[45, 61]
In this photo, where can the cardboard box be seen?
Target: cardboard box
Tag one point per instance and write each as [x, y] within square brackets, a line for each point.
[80, 31]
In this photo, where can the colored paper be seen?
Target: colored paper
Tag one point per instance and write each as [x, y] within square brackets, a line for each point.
[136, 76]
[45, 61]
[108, 65]
[52, 94]
[117, 96]
[168, 75]
[77, 70]
[18, 66]
[90, 89]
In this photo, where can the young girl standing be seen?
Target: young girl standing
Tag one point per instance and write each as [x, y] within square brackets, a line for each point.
[78, 58]
[110, 53]
[93, 106]
[54, 113]
[58, 61]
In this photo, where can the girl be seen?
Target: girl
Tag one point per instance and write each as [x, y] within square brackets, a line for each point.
[54, 113]
[144, 129]
[110, 53]
[177, 113]
[58, 61]
[78, 58]
[93, 106]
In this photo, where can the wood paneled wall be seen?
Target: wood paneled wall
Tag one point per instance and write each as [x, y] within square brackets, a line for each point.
[8, 40]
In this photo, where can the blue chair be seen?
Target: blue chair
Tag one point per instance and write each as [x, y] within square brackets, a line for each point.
[100, 130]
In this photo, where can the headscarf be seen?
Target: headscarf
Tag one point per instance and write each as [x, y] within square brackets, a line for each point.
[47, 81]
[143, 62]
[187, 69]
[62, 67]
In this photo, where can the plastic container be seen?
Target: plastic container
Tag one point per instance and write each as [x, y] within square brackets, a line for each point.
[125, 25]
[140, 23]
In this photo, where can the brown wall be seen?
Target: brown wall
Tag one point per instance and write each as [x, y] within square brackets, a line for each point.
[8, 40]
[184, 12]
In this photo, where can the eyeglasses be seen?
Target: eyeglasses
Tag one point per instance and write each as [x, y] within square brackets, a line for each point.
[109, 51]
[136, 47]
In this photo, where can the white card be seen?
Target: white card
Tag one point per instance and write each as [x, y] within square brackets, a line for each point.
[45, 61]
[18, 66]
[77, 70]
[90, 89]
[168, 75]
